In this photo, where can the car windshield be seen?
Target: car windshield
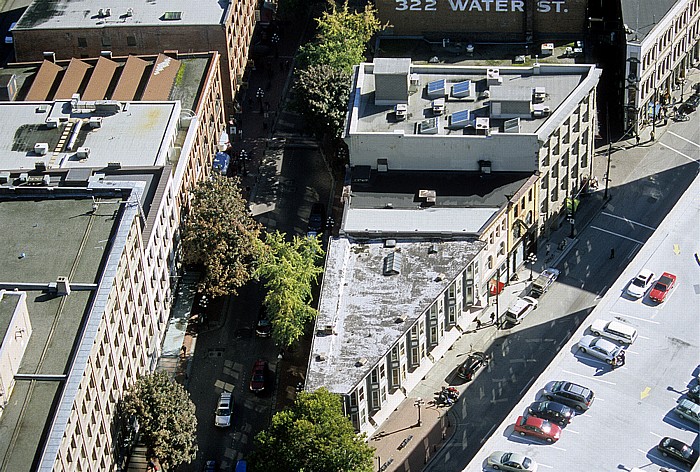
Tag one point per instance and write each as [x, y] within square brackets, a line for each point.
[638, 282]
[660, 286]
[526, 462]
[223, 411]
[664, 281]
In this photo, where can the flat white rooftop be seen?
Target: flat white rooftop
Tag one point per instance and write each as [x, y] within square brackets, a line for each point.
[367, 311]
[72, 14]
[130, 133]
[467, 221]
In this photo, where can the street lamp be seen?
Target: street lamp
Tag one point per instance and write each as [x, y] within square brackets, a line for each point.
[419, 401]
[532, 258]
[260, 94]
[243, 156]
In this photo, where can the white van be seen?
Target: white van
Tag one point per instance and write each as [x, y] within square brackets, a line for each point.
[520, 308]
[614, 330]
[689, 410]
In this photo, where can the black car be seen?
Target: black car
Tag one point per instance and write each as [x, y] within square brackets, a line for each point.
[316, 218]
[670, 447]
[570, 394]
[689, 105]
[552, 411]
[694, 393]
[474, 362]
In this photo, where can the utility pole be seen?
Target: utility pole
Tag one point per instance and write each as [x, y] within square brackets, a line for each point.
[607, 172]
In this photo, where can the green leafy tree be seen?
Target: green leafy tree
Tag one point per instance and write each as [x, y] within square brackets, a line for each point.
[290, 270]
[321, 96]
[342, 37]
[166, 418]
[313, 435]
[221, 235]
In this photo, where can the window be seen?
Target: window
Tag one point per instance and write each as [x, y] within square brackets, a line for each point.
[374, 377]
[106, 41]
[82, 42]
[529, 195]
[131, 40]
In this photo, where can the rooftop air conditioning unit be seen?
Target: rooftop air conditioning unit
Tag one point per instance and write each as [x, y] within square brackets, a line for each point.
[108, 12]
[129, 12]
[83, 152]
[401, 110]
[96, 122]
[438, 106]
[52, 122]
[24, 176]
[493, 76]
[41, 148]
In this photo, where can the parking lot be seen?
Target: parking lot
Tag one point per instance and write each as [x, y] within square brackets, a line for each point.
[633, 406]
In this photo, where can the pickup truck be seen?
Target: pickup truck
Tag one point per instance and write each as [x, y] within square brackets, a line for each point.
[520, 308]
[543, 282]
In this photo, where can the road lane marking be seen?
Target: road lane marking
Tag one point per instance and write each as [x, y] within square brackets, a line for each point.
[644, 393]
[657, 435]
[572, 431]
[527, 385]
[677, 249]
[643, 337]
[678, 152]
[617, 234]
[557, 448]
[487, 434]
[684, 139]
[589, 377]
[627, 220]
[641, 319]
[545, 466]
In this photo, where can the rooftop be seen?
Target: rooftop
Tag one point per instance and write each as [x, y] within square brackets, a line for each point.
[368, 312]
[641, 16]
[37, 132]
[468, 94]
[42, 240]
[72, 14]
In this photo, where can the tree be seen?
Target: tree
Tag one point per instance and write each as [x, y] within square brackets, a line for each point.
[313, 435]
[290, 270]
[342, 38]
[220, 234]
[166, 418]
[321, 96]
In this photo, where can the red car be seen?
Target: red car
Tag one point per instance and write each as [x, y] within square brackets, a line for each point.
[258, 377]
[662, 287]
[542, 429]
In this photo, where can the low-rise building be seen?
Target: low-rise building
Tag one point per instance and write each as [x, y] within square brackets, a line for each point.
[452, 118]
[65, 29]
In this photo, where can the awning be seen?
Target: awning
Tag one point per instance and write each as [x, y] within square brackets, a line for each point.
[495, 287]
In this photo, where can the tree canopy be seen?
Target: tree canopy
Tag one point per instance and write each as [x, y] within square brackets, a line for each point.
[321, 95]
[290, 270]
[313, 435]
[220, 234]
[166, 418]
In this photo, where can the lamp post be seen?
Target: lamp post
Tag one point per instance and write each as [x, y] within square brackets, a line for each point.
[532, 258]
[243, 156]
[260, 94]
[419, 401]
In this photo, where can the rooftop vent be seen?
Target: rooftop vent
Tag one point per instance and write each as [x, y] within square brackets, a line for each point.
[129, 12]
[62, 285]
[440, 277]
[361, 362]
[433, 249]
[4, 177]
[436, 88]
[493, 76]
[401, 319]
[41, 148]
[39, 180]
[438, 106]
[401, 110]
[320, 357]
[172, 15]
[539, 94]
[427, 196]
[83, 152]
[392, 263]
[429, 126]
[390, 243]
[485, 167]
[539, 110]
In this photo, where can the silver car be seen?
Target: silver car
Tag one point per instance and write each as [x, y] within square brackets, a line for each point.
[599, 347]
[511, 461]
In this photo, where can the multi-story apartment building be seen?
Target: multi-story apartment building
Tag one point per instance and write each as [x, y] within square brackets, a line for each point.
[102, 184]
[85, 29]
[662, 43]
[450, 118]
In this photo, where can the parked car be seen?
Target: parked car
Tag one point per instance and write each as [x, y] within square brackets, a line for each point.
[640, 284]
[662, 287]
[471, 366]
[570, 394]
[552, 411]
[689, 410]
[511, 461]
[210, 466]
[520, 308]
[542, 283]
[542, 429]
[599, 347]
[241, 466]
[263, 327]
[692, 103]
[222, 417]
[258, 377]
[316, 218]
[694, 393]
[221, 163]
[680, 451]
[614, 330]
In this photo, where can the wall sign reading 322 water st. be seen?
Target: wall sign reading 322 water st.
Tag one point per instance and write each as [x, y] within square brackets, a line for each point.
[485, 19]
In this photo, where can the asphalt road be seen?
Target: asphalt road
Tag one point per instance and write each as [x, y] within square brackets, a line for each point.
[646, 182]
[227, 348]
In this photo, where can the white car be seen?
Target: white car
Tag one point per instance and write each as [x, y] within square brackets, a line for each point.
[511, 461]
[223, 410]
[614, 330]
[599, 347]
[520, 308]
[640, 284]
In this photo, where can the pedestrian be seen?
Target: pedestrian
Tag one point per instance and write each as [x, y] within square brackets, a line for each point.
[652, 135]
[548, 247]
[612, 253]
[621, 357]
[637, 138]
[493, 317]
[478, 324]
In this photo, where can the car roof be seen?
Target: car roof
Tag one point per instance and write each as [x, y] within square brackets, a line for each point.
[575, 388]
[606, 344]
[645, 274]
[620, 327]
